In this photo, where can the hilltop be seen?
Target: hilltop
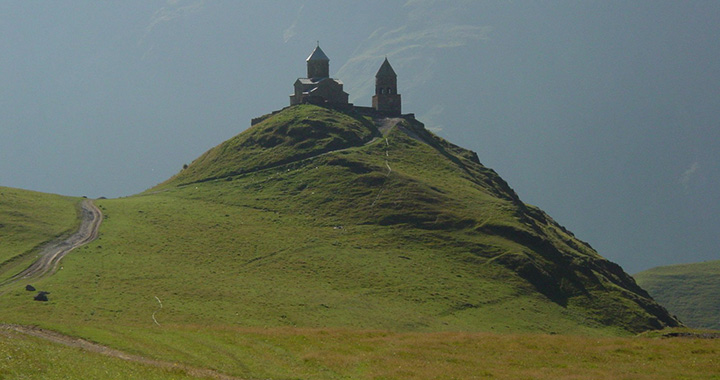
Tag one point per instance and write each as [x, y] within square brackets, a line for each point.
[690, 291]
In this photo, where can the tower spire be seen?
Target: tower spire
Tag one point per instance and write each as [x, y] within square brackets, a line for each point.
[386, 98]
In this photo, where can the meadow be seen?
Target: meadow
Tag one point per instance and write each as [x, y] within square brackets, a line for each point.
[26, 357]
[302, 303]
[363, 256]
[301, 353]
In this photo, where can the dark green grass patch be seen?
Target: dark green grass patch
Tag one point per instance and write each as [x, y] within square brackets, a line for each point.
[691, 291]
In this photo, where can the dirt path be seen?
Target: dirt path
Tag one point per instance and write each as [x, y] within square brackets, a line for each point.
[104, 350]
[47, 263]
[386, 125]
[50, 255]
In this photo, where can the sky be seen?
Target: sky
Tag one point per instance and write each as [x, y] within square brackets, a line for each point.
[605, 114]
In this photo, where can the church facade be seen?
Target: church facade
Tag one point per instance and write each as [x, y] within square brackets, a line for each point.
[319, 88]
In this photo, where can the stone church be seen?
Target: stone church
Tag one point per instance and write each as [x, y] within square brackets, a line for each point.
[319, 88]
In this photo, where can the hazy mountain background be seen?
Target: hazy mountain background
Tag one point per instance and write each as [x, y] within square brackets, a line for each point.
[603, 113]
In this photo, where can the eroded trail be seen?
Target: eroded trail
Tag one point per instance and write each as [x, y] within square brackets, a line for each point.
[50, 255]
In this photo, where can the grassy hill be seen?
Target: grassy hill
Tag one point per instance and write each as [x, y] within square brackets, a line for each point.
[27, 220]
[297, 246]
[410, 186]
[690, 291]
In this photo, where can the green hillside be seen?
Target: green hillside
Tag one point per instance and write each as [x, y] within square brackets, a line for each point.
[286, 137]
[316, 221]
[413, 188]
[27, 220]
[690, 291]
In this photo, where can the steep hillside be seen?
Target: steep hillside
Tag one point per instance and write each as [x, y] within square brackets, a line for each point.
[423, 188]
[690, 291]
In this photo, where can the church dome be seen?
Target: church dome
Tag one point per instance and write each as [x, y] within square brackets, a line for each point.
[317, 55]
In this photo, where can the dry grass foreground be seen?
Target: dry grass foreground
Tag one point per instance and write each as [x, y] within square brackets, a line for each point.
[353, 354]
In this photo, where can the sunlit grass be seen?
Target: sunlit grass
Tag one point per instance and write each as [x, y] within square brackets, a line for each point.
[25, 357]
[302, 353]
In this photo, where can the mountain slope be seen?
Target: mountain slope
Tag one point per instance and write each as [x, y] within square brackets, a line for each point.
[429, 189]
[356, 225]
[690, 291]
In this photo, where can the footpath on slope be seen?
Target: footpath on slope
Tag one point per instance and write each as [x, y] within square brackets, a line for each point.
[50, 255]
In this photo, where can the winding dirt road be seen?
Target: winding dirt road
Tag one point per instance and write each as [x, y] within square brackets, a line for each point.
[47, 263]
[50, 255]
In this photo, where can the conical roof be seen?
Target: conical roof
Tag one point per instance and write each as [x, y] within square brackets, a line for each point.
[318, 55]
[386, 70]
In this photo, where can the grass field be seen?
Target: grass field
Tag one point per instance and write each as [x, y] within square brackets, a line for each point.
[25, 357]
[301, 353]
[388, 257]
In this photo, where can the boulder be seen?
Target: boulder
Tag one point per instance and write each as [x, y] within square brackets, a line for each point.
[42, 296]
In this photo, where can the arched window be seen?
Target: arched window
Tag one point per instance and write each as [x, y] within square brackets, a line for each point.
[389, 90]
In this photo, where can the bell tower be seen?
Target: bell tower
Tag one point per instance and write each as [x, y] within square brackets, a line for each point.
[386, 98]
[318, 64]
